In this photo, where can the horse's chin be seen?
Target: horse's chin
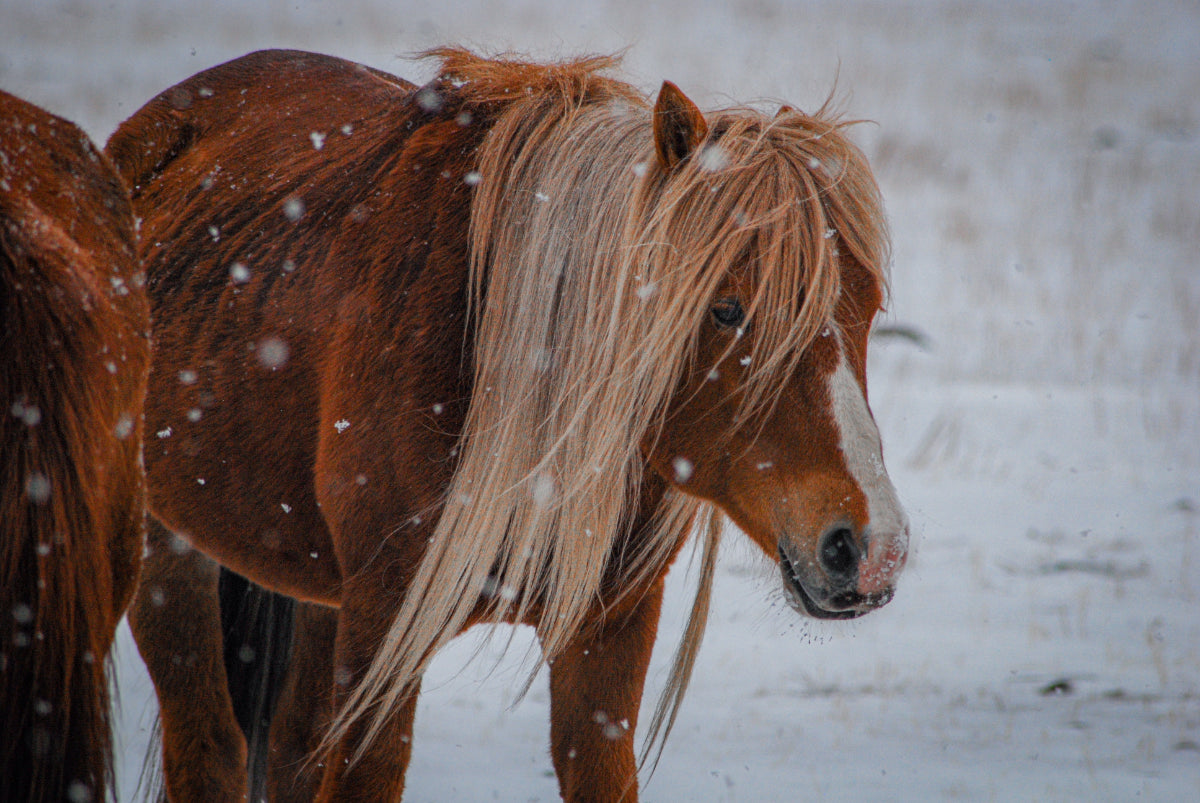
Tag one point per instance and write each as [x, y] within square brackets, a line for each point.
[851, 605]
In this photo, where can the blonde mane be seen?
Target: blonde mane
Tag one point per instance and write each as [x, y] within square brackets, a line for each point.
[592, 270]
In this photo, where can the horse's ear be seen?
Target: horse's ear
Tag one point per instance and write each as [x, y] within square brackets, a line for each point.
[679, 127]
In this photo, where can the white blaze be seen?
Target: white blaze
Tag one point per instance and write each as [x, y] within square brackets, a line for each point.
[887, 530]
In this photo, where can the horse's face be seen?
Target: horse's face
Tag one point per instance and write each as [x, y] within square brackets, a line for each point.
[803, 473]
[804, 478]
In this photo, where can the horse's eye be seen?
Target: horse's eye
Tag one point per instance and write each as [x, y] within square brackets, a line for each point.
[728, 313]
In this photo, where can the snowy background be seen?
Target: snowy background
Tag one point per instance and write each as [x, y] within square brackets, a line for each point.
[1041, 165]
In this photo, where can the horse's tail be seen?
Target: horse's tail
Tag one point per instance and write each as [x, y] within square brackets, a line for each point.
[58, 512]
[55, 736]
[257, 626]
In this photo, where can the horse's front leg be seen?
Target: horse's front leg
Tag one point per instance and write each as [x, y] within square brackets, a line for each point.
[595, 692]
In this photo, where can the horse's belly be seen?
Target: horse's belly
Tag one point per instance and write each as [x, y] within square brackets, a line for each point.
[229, 461]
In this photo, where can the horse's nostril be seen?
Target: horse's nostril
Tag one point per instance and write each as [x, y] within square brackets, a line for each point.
[839, 553]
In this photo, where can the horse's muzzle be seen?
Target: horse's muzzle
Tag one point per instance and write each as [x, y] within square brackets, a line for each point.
[828, 585]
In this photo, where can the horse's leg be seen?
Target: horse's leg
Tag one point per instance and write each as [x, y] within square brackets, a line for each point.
[176, 621]
[304, 708]
[595, 692]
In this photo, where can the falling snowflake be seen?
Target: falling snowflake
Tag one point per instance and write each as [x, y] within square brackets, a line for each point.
[273, 352]
[30, 414]
[293, 208]
[683, 469]
[544, 490]
[429, 100]
[647, 291]
[712, 158]
[124, 426]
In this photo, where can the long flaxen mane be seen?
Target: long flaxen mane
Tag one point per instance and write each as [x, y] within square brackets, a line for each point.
[592, 269]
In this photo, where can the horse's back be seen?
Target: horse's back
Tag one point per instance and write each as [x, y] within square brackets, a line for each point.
[73, 359]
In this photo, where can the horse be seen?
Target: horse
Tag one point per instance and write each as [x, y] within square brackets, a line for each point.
[74, 360]
[489, 350]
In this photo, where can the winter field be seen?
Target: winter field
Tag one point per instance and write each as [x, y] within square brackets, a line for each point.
[1041, 166]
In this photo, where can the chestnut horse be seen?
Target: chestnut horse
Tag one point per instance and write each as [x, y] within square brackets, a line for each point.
[487, 351]
[74, 356]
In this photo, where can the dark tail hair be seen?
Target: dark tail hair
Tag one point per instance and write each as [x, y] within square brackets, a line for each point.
[257, 625]
[55, 733]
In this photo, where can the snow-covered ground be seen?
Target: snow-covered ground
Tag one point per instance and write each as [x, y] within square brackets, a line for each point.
[1041, 164]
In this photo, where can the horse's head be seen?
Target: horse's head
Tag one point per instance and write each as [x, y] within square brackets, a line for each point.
[770, 420]
[693, 294]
